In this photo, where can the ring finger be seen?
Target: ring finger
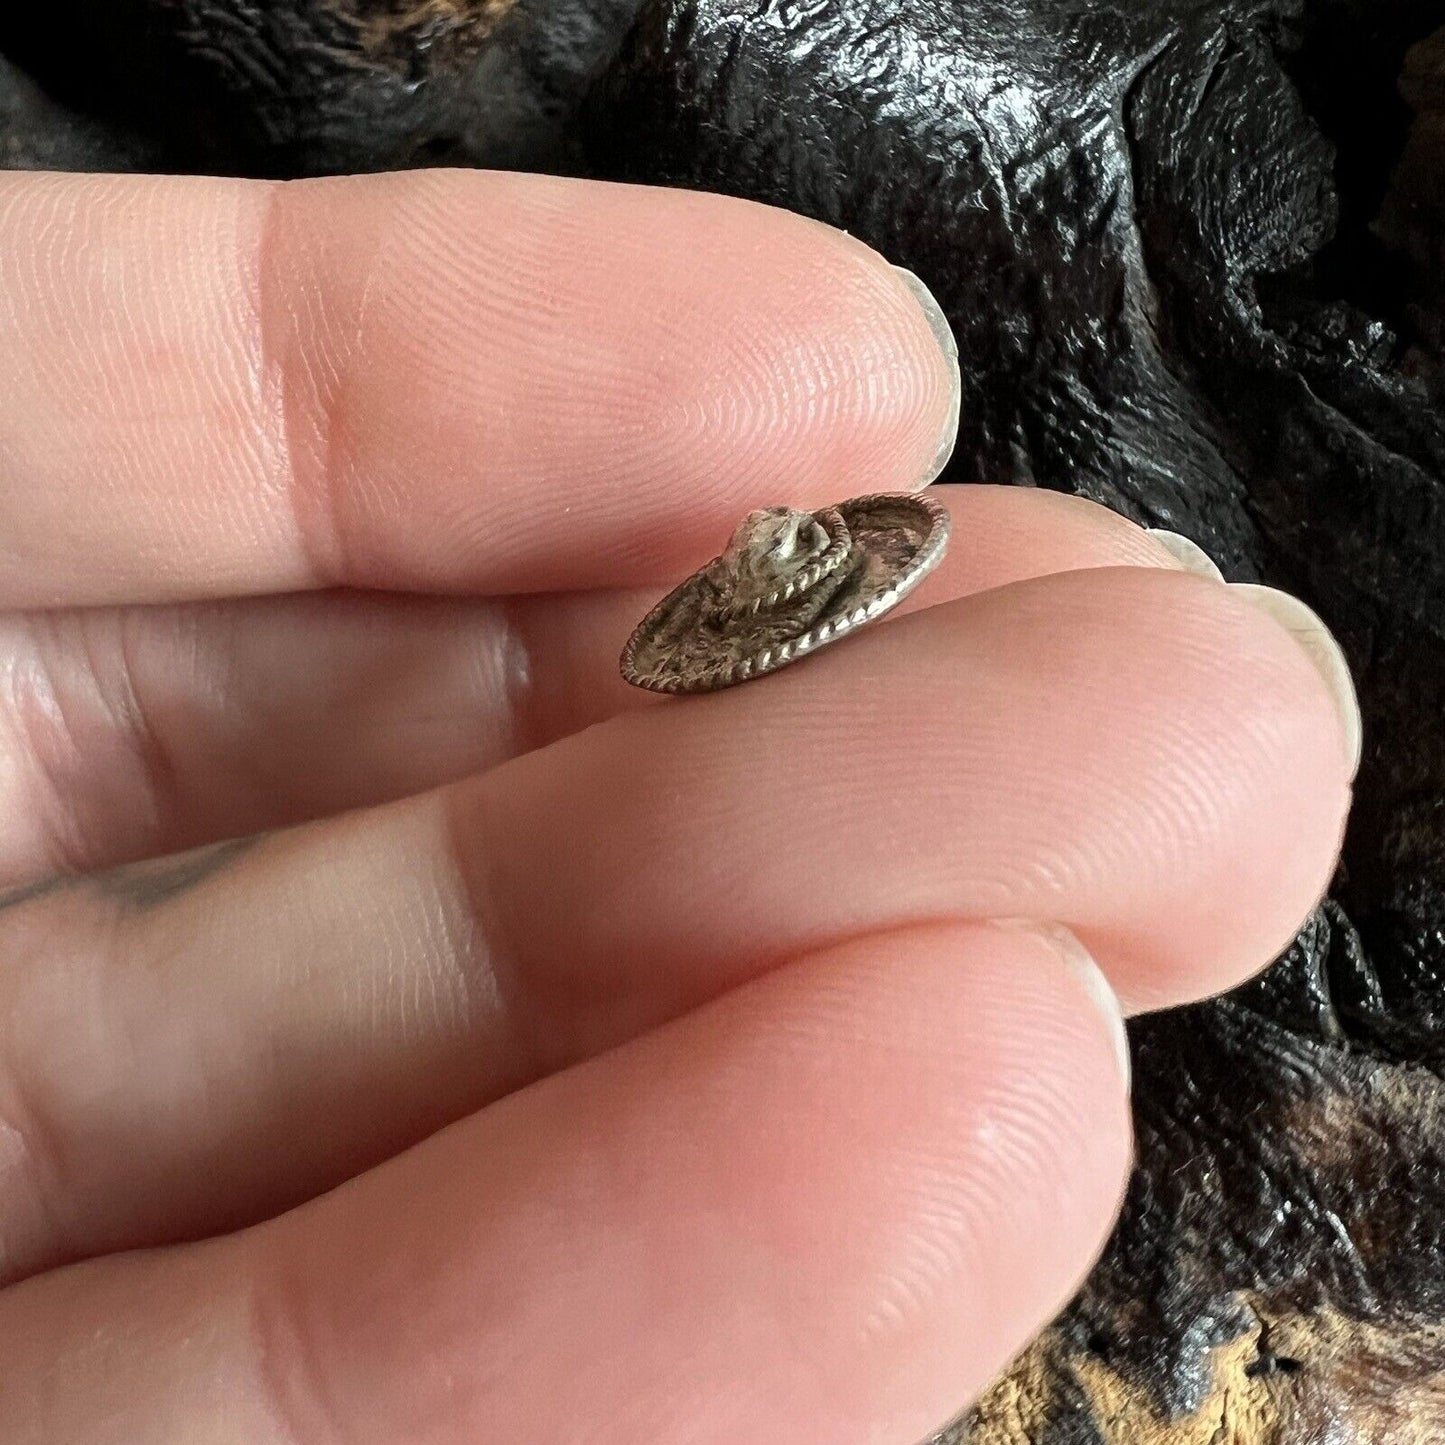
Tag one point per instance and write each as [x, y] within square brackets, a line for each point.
[1116, 749]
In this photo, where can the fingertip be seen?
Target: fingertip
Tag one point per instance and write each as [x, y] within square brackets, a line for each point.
[1325, 655]
[900, 1154]
[942, 332]
[1005, 534]
[1263, 807]
[979, 1154]
[637, 366]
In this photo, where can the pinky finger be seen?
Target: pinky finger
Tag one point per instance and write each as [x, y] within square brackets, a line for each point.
[828, 1206]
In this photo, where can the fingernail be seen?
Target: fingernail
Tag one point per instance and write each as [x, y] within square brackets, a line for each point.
[943, 334]
[1080, 962]
[1100, 991]
[1321, 648]
[1190, 555]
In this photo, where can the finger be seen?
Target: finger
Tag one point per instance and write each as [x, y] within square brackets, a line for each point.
[1136, 753]
[136, 732]
[448, 380]
[829, 1206]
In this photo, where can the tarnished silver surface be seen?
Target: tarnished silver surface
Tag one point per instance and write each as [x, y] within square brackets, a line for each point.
[788, 583]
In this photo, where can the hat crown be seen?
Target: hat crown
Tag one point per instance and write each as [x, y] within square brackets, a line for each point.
[775, 557]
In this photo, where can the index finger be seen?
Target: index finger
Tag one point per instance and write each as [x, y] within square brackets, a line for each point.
[428, 381]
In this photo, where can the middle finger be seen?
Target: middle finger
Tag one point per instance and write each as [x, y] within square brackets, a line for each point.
[136, 732]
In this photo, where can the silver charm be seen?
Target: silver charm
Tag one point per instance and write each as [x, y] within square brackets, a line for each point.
[788, 583]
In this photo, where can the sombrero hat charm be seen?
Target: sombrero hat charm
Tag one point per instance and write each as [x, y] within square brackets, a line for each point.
[788, 583]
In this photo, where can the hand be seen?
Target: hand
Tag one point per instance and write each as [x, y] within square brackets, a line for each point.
[668, 1067]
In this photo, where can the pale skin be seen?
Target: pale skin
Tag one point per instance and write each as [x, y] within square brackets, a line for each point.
[562, 1064]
